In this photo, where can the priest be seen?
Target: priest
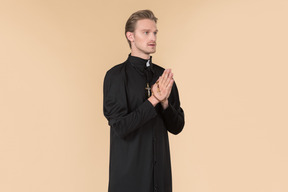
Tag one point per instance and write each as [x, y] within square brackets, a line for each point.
[141, 104]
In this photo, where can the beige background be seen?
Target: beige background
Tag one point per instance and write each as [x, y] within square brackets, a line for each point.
[230, 64]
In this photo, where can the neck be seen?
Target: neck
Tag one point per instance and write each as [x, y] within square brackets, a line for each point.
[140, 55]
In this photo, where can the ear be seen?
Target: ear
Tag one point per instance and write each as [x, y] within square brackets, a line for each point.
[130, 36]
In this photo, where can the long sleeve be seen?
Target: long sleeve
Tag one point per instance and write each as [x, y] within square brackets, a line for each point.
[116, 108]
[174, 115]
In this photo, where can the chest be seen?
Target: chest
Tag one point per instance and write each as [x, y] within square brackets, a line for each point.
[137, 88]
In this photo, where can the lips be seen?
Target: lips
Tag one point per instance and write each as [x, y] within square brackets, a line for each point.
[152, 44]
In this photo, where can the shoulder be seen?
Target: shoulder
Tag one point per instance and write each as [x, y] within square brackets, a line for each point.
[113, 78]
[116, 71]
[158, 69]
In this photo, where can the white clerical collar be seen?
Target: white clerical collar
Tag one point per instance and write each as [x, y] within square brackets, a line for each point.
[148, 63]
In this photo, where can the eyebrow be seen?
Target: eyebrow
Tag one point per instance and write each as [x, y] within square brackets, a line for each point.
[149, 30]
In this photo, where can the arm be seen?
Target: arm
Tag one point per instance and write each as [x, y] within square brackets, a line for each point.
[116, 109]
[173, 115]
[166, 92]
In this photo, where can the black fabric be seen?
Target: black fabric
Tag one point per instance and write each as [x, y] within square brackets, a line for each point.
[139, 145]
[149, 74]
[149, 77]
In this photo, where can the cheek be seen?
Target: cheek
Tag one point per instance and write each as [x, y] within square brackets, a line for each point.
[140, 39]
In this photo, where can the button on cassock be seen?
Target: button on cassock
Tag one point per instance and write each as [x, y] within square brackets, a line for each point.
[155, 188]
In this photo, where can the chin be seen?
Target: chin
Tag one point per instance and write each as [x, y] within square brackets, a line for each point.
[150, 52]
[153, 51]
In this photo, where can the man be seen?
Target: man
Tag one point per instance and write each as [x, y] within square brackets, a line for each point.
[139, 117]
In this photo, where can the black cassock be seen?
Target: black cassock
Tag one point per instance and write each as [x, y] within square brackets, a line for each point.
[139, 145]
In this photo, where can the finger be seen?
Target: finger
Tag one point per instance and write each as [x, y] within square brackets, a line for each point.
[169, 78]
[166, 71]
[170, 84]
[160, 80]
[165, 77]
[167, 89]
[162, 76]
[171, 75]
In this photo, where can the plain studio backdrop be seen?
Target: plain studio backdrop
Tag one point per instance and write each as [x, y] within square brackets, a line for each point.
[230, 62]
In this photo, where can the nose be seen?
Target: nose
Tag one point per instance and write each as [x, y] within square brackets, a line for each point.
[153, 37]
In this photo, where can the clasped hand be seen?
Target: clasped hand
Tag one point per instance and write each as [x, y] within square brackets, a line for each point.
[162, 88]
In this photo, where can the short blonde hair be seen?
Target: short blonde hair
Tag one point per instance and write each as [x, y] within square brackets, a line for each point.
[139, 15]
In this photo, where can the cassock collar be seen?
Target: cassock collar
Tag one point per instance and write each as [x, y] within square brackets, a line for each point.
[140, 63]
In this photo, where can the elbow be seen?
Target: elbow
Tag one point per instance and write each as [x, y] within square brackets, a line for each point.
[177, 129]
[118, 131]
[120, 135]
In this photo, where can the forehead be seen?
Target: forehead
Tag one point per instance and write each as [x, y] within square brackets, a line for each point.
[146, 24]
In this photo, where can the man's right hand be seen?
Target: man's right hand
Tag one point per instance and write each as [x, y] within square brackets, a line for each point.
[162, 88]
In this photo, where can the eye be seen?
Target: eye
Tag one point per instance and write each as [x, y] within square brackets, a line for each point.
[155, 33]
[146, 32]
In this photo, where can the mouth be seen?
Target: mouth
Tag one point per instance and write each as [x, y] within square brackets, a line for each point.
[152, 44]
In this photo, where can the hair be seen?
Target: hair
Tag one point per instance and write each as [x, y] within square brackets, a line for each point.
[139, 15]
